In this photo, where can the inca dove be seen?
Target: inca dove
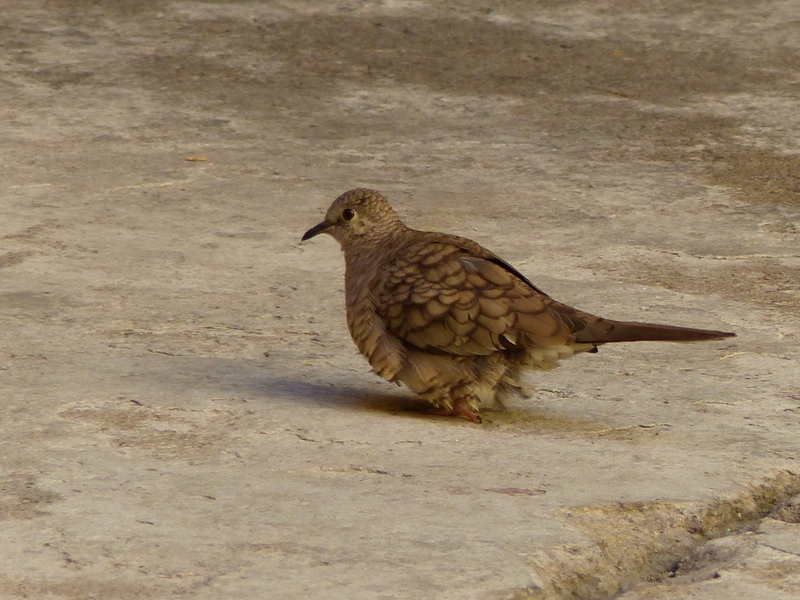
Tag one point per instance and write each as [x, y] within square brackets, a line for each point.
[452, 320]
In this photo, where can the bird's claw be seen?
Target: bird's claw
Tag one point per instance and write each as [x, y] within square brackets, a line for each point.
[460, 408]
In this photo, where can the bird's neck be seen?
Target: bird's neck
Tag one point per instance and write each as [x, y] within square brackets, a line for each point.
[366, 254]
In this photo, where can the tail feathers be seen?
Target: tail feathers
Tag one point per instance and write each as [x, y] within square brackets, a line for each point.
[605, 330]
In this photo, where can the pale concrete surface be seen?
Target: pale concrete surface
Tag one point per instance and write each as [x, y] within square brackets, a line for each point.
[184, 415]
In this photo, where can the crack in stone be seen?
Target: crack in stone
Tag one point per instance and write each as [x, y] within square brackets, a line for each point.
[779, 549]
[639, 541]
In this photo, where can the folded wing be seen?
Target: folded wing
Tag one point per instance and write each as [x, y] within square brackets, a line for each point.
[441, 297]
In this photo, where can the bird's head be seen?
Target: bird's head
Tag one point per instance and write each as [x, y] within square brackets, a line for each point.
[357, 214]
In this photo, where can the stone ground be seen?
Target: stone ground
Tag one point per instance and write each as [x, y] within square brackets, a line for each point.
[184, 415]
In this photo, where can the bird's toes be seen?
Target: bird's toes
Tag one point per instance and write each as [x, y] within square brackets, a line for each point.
[460, 409]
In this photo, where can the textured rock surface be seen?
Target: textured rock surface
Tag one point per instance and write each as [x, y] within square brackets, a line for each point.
[182, 412]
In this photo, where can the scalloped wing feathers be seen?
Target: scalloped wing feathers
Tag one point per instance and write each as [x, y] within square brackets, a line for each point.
[437, 296]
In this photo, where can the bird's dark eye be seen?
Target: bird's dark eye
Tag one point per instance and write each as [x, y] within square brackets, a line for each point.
[348, 213]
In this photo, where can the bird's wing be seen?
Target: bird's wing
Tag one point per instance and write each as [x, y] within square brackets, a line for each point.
[440, 296]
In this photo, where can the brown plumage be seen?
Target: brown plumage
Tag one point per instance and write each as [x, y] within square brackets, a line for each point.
[452, 320]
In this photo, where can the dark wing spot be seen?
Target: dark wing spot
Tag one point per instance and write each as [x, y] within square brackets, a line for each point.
[501, 263]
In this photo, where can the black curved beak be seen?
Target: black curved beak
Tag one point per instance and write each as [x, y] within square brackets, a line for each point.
[316, 230]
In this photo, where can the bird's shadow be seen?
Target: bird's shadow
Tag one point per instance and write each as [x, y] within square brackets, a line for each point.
[402, 403]
[344, 395]
[380, 397]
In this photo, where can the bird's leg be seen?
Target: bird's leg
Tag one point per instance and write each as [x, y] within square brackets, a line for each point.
[460, 408]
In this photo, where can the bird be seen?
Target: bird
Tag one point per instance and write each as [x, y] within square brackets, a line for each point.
[453, 321]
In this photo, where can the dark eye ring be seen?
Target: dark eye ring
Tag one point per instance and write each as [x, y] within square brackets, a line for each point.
[348, 214]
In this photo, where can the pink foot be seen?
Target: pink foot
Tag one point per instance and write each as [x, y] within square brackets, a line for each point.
[459, 409]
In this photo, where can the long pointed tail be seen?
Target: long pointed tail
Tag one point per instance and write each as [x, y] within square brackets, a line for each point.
[606, 330]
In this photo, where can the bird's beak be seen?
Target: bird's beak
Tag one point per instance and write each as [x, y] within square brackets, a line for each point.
[316, 230]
